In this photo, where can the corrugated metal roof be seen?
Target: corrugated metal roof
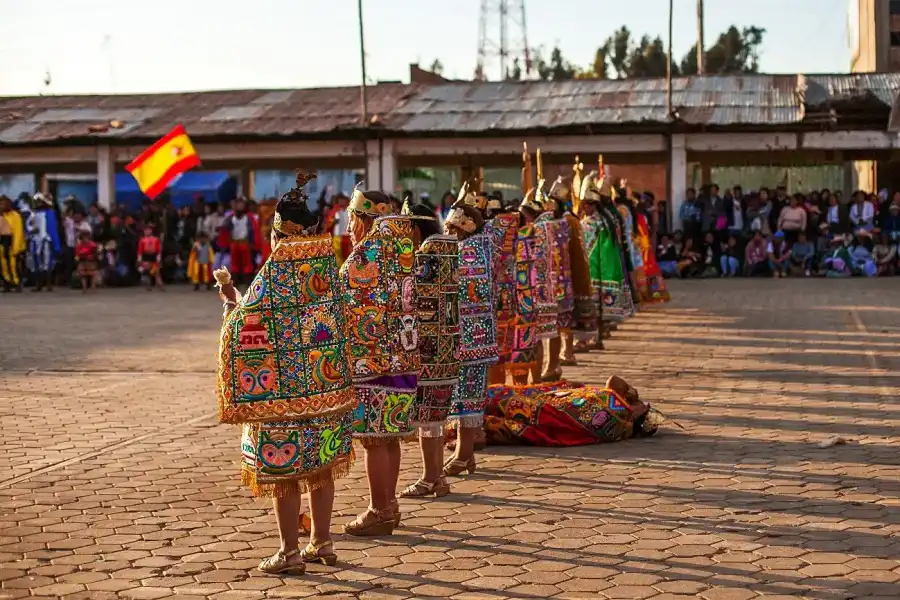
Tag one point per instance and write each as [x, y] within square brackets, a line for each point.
[446, 108]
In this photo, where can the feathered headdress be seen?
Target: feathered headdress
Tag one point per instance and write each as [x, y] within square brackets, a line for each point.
[296, 195]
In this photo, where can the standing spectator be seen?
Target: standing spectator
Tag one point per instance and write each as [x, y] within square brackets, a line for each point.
[766, 209]
[792, 220]
[862, 213]
[12, 245]
[74, 225]
[802, 254]
[86, 258]
[709, 253]
[149, 253]
[777, 205]
[734, 213]
[755, 256]
[239, 227]
[779, 254]
[890, 223]
[691, 215]
[340, 230]
[834, 216]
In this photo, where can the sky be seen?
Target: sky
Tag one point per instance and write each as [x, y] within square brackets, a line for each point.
[130, 46]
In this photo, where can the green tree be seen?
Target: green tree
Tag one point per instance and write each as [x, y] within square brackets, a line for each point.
[557, 68]
[515, 74]
[735, 51]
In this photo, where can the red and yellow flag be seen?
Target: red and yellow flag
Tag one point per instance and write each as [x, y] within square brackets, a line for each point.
[170, 156]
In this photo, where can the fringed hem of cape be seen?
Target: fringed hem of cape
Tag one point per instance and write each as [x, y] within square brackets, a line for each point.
[299, 484]
[470, 421]
[370, 440]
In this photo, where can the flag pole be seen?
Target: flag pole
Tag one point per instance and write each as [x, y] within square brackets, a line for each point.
[363, 92]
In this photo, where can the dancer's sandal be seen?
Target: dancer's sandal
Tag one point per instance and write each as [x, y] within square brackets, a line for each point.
[313, 554]
[455, 467]
[280, 564]
[427, 489]
[372, 522]
[395, 508]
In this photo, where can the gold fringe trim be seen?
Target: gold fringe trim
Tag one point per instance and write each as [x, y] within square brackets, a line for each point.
[371, 441]
[302, 484]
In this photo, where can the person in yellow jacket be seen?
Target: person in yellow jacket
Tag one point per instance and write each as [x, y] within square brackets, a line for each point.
[200, 262]
[12, 245]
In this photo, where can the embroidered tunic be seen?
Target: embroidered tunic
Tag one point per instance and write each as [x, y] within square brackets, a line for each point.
[523, 356]
[506, 226]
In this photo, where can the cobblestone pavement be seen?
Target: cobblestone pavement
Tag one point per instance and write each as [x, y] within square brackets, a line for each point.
[119, 483]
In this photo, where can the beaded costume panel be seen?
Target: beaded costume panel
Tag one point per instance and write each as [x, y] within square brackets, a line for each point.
[545, 249]
[437, 290]
[477, 318]
[565, 295]
[523, 355]
[505, 287]
[585, 307]
[283, 350]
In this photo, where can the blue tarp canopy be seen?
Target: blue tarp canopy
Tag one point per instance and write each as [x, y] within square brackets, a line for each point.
[212, 186]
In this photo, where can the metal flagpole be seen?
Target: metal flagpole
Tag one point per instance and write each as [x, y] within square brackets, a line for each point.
[363, 92]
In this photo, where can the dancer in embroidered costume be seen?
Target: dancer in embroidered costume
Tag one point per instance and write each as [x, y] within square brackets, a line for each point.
[628, 214]
[437, 291]
[200, 261]
[380, 291]
[655, 290]
[478, 341]
[43, 242]
[563, 415]
[283, 374]
[505, 226]
[604, 256]
[586, 311]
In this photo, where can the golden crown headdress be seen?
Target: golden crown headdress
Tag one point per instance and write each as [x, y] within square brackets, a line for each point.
[470, 198]
[494, 204]
[406, 211]
[458, 218]
[531, 203]
[295, 194]
[590, 189]
[364, 206]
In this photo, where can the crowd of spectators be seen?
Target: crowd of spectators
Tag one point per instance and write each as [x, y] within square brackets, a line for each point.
[771, 233]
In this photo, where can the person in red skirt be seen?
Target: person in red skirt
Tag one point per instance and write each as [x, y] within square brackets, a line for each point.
[240, 228]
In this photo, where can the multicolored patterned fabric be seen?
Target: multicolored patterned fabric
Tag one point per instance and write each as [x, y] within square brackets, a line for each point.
[556, 415]
[505, 283]
[565, 294]
[607, 274]
[656, 286]
[638, 274]
[545, 249]
[380, 293]
[477, 319]
[478, 342]
[437, 299]
[296, 456]
[523, 355]
[584, 315]
[283, 354]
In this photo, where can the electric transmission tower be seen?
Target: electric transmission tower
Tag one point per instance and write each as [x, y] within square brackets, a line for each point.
[500, 22]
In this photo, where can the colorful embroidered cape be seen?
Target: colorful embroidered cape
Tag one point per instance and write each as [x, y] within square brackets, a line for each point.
[556, 415]
[546, 251]
[380, 293]
[523, 356]
[607, 274]
[656, 286]
[478, 333]
[584, 314]
[283, 354]
[638, 274]
[565, 293]
[505, 283]
[437, 289]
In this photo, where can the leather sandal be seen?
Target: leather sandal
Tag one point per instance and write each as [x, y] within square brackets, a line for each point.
[454, 467]
[279, 564]
[372, 522]
[395, 508]
[313, 554]
[426, 489]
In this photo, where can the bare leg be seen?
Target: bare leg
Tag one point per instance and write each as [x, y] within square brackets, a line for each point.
[432, 458]
[465, 443]
[496, 374]
[321, 503]
[567, 349]
[394, 456]
[551, 360]
[378, 464]
[287, 514]
[538, 363]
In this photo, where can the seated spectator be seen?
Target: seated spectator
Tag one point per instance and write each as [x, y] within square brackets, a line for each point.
[823, 246]
[755, 263]
[709, 253]
[779, 255]
[667, 257]
[862, 213]
[890, 223]
[678, 241]
[690, 264]
[802, 254]
[861, 254]
[838, 263]
[885, 255]
[729, 260]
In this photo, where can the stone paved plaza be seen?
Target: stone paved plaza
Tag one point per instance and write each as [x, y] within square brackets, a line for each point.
[117, 481]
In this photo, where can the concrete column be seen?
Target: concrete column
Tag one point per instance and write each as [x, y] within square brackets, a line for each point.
[248, 187]
[677, 178]
[106, 178]
[382, 166]
[388, 159]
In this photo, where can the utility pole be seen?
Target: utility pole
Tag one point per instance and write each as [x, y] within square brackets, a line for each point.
[669, 63]
[363, 93]
[701, 53]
